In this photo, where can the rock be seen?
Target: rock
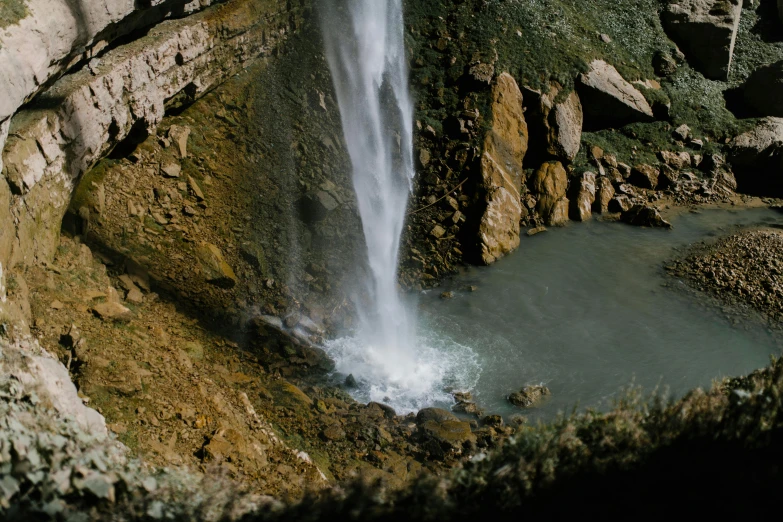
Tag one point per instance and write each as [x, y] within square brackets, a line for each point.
[438, 232]
[644, 216]
[558, 123]
[445, 429]
[683, 132]
[549, 184]
[502, 176]
[620, 203]
[333, 433]
[434, 414]
[195, 189]
[609, 100]
[763, 91]
[170, 169]
[424, 157]
[179, 135]
[111, 311]
[447, 295]
[755, 157]
[677, 160]
[644, 176]
[603, 195]
[706, 31]
[482, 72]
[664, 64]
[316, 206]
[350, 382]
[529, 396]
[216, 270]
[583, 197]
[134, 296]
[668, 177]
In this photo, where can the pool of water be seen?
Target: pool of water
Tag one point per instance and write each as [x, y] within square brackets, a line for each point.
[584, 310]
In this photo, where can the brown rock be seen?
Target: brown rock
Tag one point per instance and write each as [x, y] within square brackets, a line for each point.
[644, 216]
[604, 194]
[505, 146]
[644, 176]
[529, 396]
[620, 203]
[179, 135]
[550, 184]
[583, 197]
[677, 160]
[170, 169]
[333, 433]
[112, 311]
[216, 270]
[438, 232]
[560, 123]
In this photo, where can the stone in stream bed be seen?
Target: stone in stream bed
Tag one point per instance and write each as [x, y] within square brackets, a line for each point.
[529, 396]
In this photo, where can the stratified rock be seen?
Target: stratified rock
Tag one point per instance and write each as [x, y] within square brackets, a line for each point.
[603, 195]
[610, 101]
[529, 396]
[559, 124]
[216, 270]
[764, 90]
[644, 176]
[644, 216]
[501, 171]
[583, 197]
[706, 31]
[550, 183]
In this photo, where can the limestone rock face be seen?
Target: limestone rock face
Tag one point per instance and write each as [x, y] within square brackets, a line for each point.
[71, 126]
[56, 34]
[609, 100]
[501, 168]
[583, 198]
[559, 123]
[764, 90]
[550, 184]
[706, 30]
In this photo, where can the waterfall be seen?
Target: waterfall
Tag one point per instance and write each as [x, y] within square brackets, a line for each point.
[364, 41]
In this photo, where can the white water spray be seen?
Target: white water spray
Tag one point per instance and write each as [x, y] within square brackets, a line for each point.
[364, 42]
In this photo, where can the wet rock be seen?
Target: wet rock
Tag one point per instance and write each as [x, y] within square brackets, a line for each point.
[350, 382]
[447, 295]
[494, 421]
[502, 176]
[112, 311]
[529, 396]
[216, 270]
[179, 136]
[644, 216]
[706, 31]
[609, 100]
[603, 195]
[549, 184]
[382, 409]
[316, 206]
[644, 176]
[534, 231]
[434, 414]
[583, 197]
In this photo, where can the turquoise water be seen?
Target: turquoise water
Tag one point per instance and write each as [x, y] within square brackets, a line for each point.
[584, 310]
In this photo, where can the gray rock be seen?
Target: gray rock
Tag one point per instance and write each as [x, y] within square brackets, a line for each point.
[604, 194]
[610, 101]
[644, 216]
[706, 30]
[763, 91]
[529, 396]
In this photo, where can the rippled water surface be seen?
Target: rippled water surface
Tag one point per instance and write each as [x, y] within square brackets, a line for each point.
[584, 310]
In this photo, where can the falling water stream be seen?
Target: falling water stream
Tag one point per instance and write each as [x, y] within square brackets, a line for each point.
[365, 48]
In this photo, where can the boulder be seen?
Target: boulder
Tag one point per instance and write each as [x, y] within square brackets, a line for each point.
[112, 311]
[555, 126]
[755, 157]
[706, 30]
[603, 195]
[583, 197]
[502, 176]
[763, 91]
[550, 183]
[620, 203]
[644, 176]
[434, 414]
[677, 160]
[644, 216]
[179, 136]
[216, 270]
[445, 430]
[609, 100]
[529, 396]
